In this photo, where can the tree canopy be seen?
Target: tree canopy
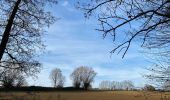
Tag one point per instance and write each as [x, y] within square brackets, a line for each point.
[83, 76]
[22, 24]
[57, 78]
[127, 20]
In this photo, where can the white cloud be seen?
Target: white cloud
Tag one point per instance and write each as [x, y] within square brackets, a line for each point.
[65, 3]
[121, 74]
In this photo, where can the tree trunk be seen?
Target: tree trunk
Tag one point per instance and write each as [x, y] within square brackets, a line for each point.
[8, 27]
[86, 86]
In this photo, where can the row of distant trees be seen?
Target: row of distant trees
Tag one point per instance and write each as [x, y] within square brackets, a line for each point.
[124, 85]
[82, 77]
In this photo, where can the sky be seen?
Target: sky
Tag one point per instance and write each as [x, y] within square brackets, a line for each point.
[72, 41]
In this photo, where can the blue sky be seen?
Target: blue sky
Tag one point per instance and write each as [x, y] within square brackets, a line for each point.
[73, 41]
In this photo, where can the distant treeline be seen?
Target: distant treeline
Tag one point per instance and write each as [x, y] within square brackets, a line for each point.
[40, 88]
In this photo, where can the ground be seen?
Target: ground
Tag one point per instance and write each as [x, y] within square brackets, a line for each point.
[86, 95]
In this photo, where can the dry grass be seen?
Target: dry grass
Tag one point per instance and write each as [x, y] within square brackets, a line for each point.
[91, 95]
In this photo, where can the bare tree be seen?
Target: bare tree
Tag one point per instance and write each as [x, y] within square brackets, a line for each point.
[114, 85]
[148, 87]
[57, 78]
[129, 20]
[117, 85]
[83, 75]
[12, 78]
[21, 81]
[106, 85]
[127, 85]
[76, 78]
[8, 79]
[22, 24]
[166, 86]
[159, 73]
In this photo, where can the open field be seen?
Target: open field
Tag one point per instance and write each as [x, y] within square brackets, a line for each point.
[90, 95]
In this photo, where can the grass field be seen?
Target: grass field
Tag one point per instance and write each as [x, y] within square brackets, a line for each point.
[90, 95]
